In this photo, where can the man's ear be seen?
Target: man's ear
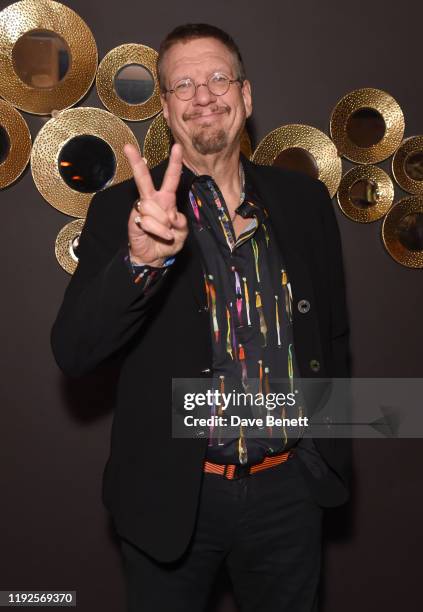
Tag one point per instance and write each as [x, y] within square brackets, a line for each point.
[164, 107]
[246, 94]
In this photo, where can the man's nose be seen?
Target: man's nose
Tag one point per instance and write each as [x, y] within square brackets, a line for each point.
[203, 95]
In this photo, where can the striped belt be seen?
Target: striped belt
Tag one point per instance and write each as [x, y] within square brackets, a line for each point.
[232, 471]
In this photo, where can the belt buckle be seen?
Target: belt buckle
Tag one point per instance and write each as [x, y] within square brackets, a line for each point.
[241, 471]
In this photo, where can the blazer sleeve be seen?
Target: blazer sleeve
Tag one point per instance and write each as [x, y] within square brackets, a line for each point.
[339, 328]
[103, 307]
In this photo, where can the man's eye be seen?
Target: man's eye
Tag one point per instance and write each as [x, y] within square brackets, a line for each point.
[219, 78]
[183, 85]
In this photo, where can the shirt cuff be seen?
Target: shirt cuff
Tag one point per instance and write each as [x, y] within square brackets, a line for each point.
[144, 274]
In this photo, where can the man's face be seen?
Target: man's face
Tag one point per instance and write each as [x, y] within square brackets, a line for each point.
[206, 124]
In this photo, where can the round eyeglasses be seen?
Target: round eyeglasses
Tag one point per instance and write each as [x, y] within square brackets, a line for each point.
[217, 84]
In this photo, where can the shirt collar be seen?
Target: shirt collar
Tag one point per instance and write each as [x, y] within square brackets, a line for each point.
[189, 177]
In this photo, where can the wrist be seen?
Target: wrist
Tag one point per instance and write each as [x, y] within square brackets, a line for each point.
[155, 263]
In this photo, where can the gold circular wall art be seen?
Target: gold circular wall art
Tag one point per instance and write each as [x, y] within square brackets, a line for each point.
[67, 243]
[367, 125]
[78, 153]
[303, 148]
[365, 193]
[158, 141]
[402, 232]
[407, 165]
[127, 82]
[48, 56]
[15, 144]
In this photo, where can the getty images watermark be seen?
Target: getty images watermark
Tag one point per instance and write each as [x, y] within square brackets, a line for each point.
[263, 402]
[307, 407]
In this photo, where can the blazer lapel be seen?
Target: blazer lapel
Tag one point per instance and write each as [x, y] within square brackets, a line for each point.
[288, 230]
[289, 236]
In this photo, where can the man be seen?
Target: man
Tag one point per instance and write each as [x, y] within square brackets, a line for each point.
[211, 267]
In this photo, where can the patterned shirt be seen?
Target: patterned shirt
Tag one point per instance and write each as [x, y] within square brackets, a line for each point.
[250, 306]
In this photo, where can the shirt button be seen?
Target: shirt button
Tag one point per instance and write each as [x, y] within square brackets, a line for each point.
[303, 306]
[315, 365]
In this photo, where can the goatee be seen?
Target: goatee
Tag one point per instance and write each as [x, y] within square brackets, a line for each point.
[207, 144]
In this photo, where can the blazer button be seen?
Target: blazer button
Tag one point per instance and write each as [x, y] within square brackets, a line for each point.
[315, 365]
[303, 306]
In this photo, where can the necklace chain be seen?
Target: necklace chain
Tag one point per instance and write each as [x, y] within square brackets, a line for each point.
[242, 194]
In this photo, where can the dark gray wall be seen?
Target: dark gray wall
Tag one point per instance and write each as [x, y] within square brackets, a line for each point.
[301, 57]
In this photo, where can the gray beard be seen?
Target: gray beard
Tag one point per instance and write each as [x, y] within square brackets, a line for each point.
[206, 144]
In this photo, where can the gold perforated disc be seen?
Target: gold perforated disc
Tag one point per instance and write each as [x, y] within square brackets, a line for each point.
[382, 103]
[313, 141]
[56, 133]
[20, 144]
[111, 64]
[27, 15]
[384, 193]
[390, 232]
[410, 147]
[64, 246]
[158, 140]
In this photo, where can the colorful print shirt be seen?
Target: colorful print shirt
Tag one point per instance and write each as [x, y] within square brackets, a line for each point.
[250, 305]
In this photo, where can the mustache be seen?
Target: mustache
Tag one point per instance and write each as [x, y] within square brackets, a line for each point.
[209, 110]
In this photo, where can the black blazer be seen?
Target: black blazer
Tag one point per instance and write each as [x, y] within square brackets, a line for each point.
[151, 481]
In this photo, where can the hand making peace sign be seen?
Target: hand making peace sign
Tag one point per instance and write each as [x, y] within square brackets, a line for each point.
[156, 229]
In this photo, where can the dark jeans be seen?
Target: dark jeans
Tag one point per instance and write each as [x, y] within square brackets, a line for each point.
[265, 527]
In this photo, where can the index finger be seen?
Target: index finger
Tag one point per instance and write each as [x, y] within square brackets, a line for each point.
[173, 171]
[140, 171]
